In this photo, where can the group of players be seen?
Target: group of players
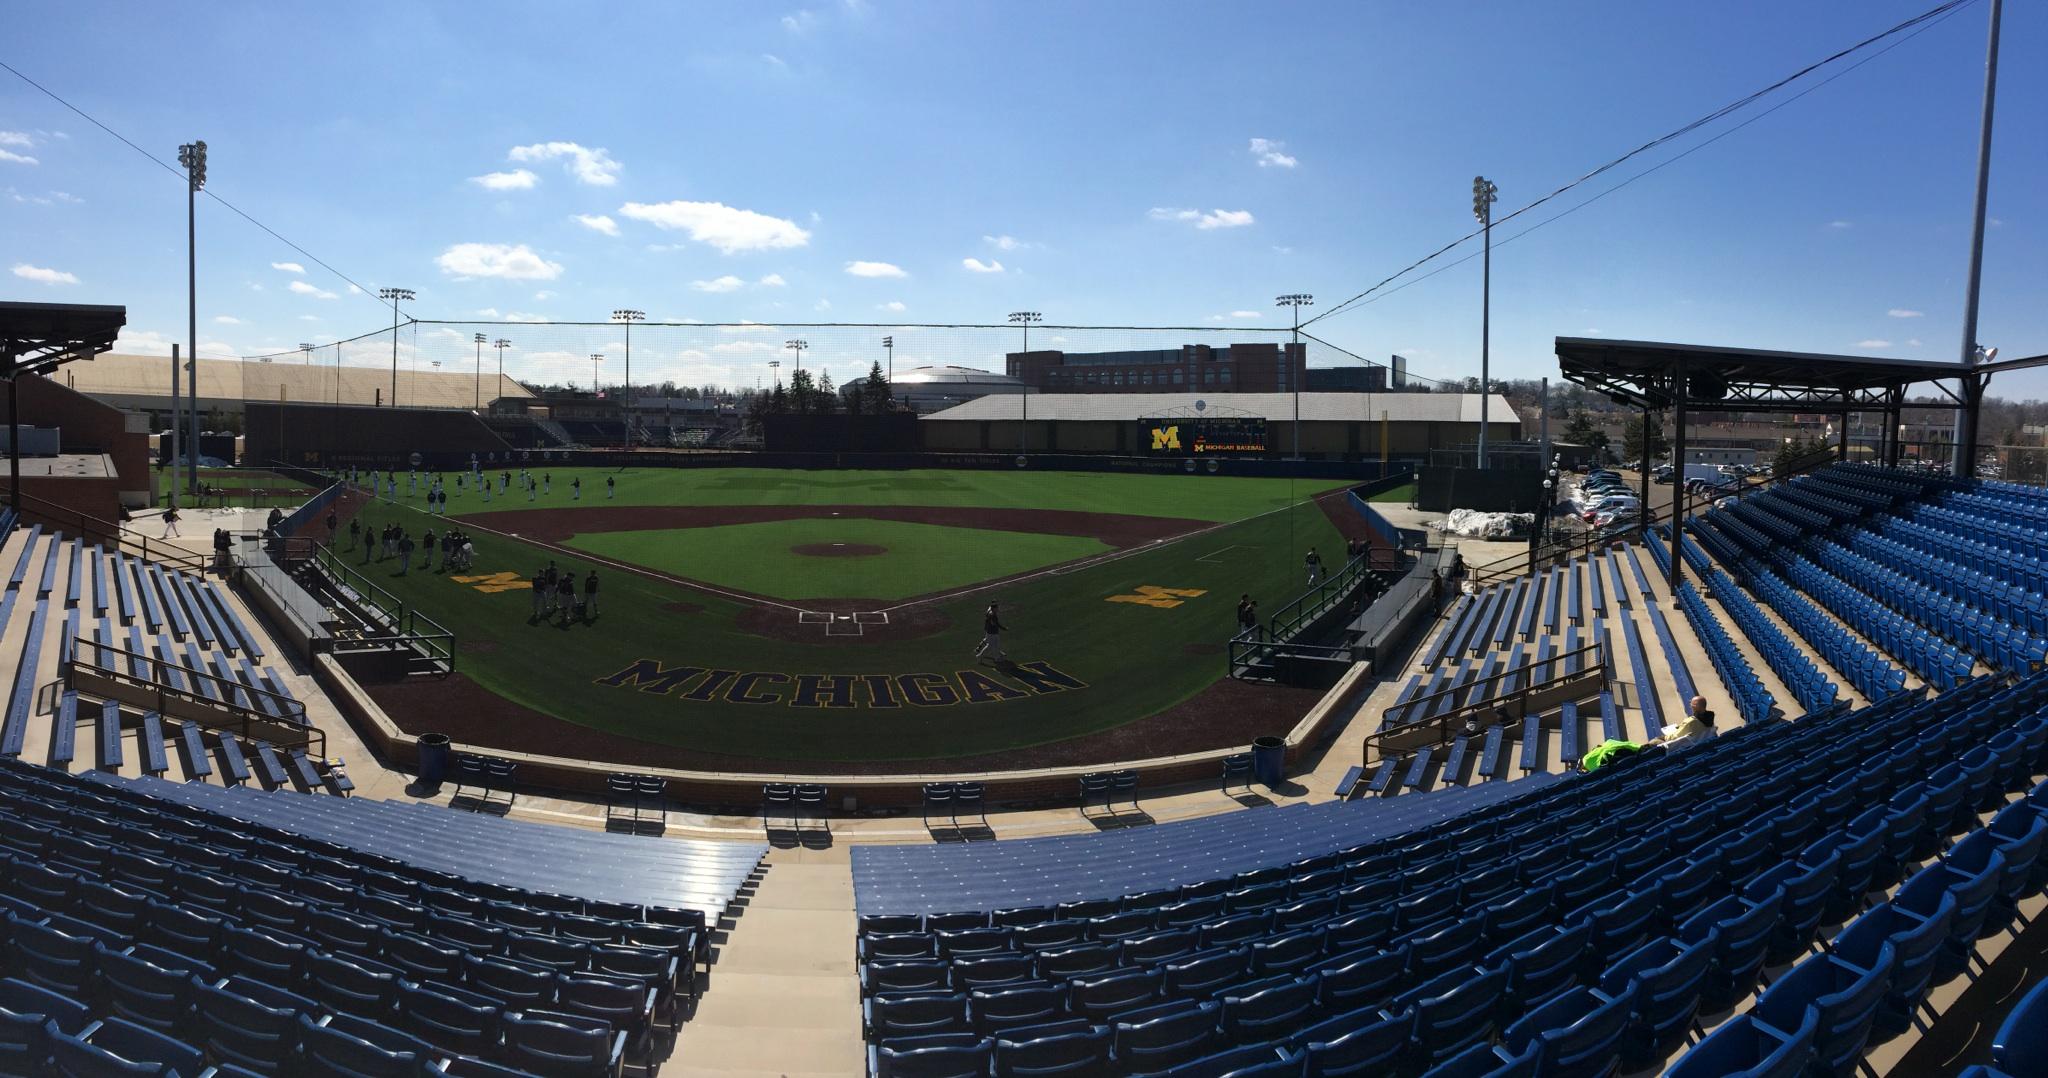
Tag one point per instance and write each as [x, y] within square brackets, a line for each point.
[554, 594]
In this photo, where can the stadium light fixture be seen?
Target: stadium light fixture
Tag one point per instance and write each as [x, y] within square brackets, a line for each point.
[308, 350]
[479, 394]
[1295, 301]
[774, 373]
[629, 316]
[192, 155]
[1023, 320]
[889, 346]
[501, 344]
[798, 347]
[395, 295]
[1484, 195]
[595, 359]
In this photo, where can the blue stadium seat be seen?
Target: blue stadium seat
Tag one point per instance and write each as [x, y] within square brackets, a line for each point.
[1845, 999]
[1578, 1033]
[1744, 1047]
[952, 1055]
[115, 1047]
[547, 1042]
[1060, 1048]
[1184, 1032]
[30, 1018]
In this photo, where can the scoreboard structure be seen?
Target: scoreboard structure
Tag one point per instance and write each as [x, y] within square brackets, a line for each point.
[1204, 435]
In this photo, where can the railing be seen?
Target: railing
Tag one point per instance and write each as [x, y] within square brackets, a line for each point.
[403, 625]
[1303, 610]
[1466, 703]
[283, 723]
[86, 526]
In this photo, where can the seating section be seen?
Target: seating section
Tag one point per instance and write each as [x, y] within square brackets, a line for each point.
[1467, 943]
[253, 943]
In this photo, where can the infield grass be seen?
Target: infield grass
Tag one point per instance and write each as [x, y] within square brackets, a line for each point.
[916, 559]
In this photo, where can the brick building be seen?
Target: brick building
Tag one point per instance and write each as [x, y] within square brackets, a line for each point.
[1234, 368]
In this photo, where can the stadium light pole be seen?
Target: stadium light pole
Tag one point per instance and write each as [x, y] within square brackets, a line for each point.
[478, 394]
[1023, 320]
[774, 373]
[889, 346]
[501, 344]
[595, 359]
[192, 155]
[629, 316]
[394, 295]
[308, 350]
[1484, 195]
[798, 347]
[1295, 301]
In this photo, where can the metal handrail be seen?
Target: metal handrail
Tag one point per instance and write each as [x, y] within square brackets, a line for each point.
[390, 606]
[85, 525]
[1317, 600]
[1453, 718]
[246, 722]
[406, 624]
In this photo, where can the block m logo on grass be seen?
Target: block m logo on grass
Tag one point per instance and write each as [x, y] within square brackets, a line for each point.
[1154, 595]
[1166, 437]
[495, 582]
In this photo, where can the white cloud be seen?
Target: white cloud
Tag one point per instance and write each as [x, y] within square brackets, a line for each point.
[1244, 314]
[894, 306]
[16, 138]
[730, 347]
[822, 305]
[227, 320]
[722, 226]
[487, 312]
[1900, 312]
[1873, 343]
[800, 22]
[354, 291]
[597, 222]
[1914, 343]
[747, 327]
[522, 316]
[142, 342]
[304, 289]
[1278, 250]
[1269, 155]
[18, 158]
[1838, 225]
[1212, 219]
[773, 280]
[43, 275]
[727, 283]
[309, 318]
[518, 179]
[976, 265]
[515, 262]
[288, 267]
[775, 61]
[1009, 243]
[543, 296]
[874, 269]
[594, 167]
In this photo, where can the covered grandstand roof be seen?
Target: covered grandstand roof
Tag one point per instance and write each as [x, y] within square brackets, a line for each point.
[1315, 407]
[131, 380]
[1644, 373]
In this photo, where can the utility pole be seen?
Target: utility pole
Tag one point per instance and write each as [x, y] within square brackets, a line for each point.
[478, 393]
[1295, 301]
[192, 155]
[1484, 195]
[1023, 320]
[394, 295]
[1965, 465]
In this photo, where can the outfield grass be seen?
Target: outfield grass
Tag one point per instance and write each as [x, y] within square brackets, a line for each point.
[1188, 497]
[919, 558]
[1134, 658]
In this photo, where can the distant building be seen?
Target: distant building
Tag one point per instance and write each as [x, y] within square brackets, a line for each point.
[1360, 379]
[930, 389]
[1232, 368]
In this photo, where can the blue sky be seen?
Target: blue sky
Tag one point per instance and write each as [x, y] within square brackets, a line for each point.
[1104, 163]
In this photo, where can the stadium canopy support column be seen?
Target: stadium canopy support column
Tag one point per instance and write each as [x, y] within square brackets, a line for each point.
[1842, 453]
[1677, 479]
[13, 436]
[1644, 464]
[1972, 393]
[1894, 421]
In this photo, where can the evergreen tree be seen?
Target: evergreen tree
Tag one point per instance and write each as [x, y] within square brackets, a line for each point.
[1642, 440]
[879, 393]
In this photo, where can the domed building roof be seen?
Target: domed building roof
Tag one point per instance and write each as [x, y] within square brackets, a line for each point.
[938, 377]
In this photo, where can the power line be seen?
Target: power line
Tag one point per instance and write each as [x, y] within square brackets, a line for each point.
[1589, 200]
[1926, 17]
[175, 171]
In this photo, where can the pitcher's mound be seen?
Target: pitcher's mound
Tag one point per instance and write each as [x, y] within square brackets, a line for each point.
[838, 550]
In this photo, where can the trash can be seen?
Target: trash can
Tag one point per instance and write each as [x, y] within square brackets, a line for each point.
[1269, 760]
[434, 754]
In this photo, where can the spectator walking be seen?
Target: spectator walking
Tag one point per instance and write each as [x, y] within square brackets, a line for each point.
[171, 522]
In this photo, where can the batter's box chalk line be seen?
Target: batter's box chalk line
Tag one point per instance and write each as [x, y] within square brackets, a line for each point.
[841, 623]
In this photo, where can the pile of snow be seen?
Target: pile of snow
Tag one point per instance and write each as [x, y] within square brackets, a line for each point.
[1473, 524]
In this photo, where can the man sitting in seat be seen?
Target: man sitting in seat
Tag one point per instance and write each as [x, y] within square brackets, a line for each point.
[1696, 728]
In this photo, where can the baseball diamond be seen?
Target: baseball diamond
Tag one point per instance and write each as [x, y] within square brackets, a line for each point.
[829, 619]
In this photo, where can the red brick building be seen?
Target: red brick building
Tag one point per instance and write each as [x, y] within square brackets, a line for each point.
[1234, 368]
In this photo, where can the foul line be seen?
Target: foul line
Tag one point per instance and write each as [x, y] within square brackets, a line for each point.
[1212, 555]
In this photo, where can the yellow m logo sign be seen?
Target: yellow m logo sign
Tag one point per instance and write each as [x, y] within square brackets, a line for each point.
[1166, 437]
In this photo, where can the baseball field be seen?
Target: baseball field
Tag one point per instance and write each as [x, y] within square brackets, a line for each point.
[768, 619]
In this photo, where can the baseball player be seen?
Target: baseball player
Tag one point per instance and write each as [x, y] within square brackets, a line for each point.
[992, 627]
